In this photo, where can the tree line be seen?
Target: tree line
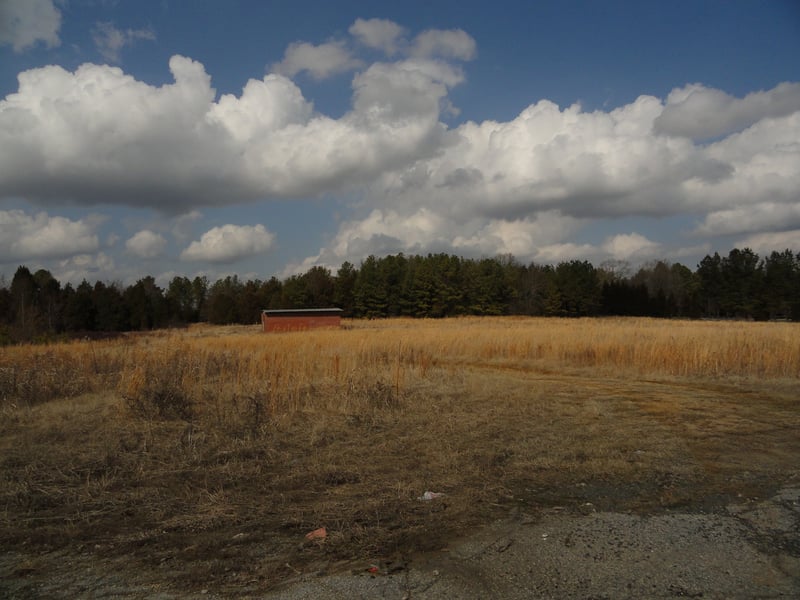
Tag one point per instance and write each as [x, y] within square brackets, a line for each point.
[36, 306]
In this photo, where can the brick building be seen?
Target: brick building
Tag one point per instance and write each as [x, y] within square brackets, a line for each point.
[300, 319]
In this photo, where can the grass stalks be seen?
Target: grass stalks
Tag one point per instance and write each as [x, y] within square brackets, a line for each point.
[338, 370]
[225, 442]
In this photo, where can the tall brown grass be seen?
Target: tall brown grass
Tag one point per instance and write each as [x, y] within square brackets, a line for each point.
[167, 374]
[370, 365]
[185, 446]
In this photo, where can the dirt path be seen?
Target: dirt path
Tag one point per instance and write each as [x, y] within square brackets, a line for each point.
[749, 549]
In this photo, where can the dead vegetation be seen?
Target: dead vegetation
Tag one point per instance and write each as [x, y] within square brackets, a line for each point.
[205, 456]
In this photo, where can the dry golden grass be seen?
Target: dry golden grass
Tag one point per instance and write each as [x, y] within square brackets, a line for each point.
[207, 454]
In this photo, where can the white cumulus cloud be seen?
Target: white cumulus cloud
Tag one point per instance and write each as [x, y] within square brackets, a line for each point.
[764, 243]
[24, 23]
[229, 243]
[146, 244]
[526, 185]
[563, 252]
[493, 183]
[100, 136]
[763, 216]
[91, 267]
[698, 112]
[390, 231]
[27, 237]
[265, 107]
[582, 164]
[630, 246]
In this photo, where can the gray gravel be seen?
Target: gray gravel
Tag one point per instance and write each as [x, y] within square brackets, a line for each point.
[752, 550]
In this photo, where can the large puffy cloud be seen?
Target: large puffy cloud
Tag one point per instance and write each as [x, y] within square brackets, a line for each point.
[760, 217]
[266, 106]
[229, 243]
[520, 237]
[699, 112]
[389, 93]
[25, 237]
[583, 164]
[395, 231]
[538, 238]
[99, 136]
[763, 161]
[24, 23]
[146, 244]
[608, 164]
[388, 231]
[524, 186]
[493, 183]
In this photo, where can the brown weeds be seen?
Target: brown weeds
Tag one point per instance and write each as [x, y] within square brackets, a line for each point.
[216, 450]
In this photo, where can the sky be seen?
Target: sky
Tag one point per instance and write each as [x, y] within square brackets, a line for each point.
[221, 137]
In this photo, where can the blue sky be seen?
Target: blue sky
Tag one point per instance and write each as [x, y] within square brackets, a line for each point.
[261, 138]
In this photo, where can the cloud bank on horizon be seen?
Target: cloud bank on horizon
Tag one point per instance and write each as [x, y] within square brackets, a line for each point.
[406, 176]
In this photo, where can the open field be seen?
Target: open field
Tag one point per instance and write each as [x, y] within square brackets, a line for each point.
[199, 459]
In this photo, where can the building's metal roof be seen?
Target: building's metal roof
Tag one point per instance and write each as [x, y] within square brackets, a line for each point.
[301, 311]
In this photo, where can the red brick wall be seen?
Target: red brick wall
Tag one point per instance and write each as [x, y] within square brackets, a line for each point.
[298, 323]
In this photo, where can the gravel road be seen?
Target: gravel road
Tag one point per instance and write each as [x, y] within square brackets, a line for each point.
[750, 549]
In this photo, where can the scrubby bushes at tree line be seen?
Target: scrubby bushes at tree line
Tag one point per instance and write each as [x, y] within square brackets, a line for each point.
[740, 285]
